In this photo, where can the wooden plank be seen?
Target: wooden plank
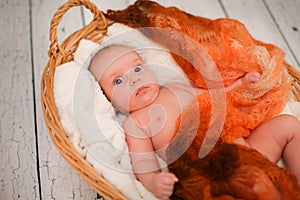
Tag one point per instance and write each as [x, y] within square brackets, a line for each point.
[210, 9]
[256, 17]
[104, 5]
[58, 179]
[287, 17]
[19, 178]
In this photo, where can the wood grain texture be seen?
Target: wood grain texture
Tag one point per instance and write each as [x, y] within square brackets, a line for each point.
[262, 23]
[58, 179]
[286, 15]
[17, 124]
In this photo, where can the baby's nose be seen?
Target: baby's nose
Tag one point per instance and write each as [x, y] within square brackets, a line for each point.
[134, 79]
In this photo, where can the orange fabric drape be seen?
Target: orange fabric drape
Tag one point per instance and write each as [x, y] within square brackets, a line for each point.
[207, 48]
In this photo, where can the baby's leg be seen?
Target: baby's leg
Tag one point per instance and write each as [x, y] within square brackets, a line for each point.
[279, 137]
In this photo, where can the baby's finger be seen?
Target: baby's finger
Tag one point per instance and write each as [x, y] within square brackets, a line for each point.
[167, 186]
[171, 177]
[175, 179]
[167, 194]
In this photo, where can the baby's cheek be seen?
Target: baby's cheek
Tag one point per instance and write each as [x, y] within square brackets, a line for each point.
[120, 99]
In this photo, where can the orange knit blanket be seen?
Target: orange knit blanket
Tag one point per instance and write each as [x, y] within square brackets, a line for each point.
[213, 52]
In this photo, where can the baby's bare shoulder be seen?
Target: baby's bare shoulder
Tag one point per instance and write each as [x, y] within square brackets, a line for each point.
[184, 88]
[177, 84]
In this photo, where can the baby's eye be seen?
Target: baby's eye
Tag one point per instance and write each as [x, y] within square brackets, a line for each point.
[138, 69]
[119, 80]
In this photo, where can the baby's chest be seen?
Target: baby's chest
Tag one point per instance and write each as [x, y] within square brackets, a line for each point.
[162, 119]
[162, 127]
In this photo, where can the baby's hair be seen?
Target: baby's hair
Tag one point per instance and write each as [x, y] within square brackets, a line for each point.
[106, 48]
[98, 52]
[106, 56]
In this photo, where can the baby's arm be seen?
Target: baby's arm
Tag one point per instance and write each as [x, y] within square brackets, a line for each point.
[144, 162]
[250, 77]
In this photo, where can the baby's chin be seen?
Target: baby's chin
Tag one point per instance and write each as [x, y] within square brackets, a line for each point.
[141, 105]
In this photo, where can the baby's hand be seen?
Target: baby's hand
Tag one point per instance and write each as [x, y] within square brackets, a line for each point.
[162, 184]
[250, 77]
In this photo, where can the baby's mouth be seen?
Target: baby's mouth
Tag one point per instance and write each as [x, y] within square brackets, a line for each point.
[141, 90]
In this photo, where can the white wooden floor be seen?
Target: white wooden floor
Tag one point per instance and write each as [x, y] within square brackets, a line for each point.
[31, 167]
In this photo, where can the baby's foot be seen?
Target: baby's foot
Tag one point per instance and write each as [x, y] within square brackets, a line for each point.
[250, 77]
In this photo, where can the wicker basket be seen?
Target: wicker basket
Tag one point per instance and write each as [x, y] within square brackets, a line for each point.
[59, 54]
[62, 53]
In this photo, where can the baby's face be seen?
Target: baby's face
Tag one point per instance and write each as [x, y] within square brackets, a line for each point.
[128, 83]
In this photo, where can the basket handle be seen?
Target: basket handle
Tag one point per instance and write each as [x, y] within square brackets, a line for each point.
[54, 47]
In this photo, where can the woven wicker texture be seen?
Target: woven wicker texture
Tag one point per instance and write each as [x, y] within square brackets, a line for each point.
[59, 54]
[62, 53]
